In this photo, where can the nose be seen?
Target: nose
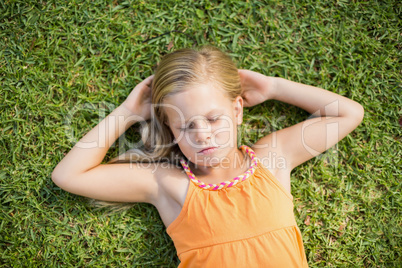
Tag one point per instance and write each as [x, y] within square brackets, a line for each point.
[203, 131]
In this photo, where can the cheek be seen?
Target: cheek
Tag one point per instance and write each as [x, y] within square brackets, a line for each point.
[223, 133]
[225, 125]
[183, 137]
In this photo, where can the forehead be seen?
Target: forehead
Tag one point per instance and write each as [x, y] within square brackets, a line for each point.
[195, 101]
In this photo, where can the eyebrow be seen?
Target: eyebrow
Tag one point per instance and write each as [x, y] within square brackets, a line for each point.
[210, 112]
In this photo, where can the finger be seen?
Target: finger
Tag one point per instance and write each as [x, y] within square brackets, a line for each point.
[242, 75]
[149, 79]
[248, 105]
[147, 82]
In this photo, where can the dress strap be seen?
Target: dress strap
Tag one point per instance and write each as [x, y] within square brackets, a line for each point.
[224, 184]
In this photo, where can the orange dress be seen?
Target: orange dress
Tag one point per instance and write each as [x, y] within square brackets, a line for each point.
[245, 223]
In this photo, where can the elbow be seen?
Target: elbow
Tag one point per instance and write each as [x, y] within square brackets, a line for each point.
[356, 116]
[58, 178]
[359, 113]
[63, 179]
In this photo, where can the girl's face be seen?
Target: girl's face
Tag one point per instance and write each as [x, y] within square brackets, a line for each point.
[203, 117]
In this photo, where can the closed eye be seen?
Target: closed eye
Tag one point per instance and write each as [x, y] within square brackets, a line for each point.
[192, 124]
[189, 127]
[213, 119]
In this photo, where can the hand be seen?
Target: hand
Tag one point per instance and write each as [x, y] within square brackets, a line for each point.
[256, 87]
[139, 100]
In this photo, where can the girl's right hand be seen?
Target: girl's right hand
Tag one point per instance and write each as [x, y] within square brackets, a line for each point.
[139, 100]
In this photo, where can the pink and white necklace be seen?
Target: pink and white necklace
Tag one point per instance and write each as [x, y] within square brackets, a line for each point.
[224, 184]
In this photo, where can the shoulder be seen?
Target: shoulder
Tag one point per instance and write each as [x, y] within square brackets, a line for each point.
[172, 182]
[273, 160]
[168, 174]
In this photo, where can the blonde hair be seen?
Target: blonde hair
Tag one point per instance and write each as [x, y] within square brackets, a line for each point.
[177, 72]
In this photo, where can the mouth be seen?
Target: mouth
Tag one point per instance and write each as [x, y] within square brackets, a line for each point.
[208, 150]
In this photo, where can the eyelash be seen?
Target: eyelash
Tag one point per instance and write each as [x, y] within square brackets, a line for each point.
[211, 120]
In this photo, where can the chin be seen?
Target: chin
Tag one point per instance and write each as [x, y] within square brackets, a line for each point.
[206, 161]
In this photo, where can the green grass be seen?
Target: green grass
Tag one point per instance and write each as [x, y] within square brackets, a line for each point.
[59, 57]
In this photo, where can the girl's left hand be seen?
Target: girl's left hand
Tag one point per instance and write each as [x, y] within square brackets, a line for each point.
[256, 87]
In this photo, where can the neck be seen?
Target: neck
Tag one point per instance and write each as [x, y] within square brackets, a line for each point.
[234, 162]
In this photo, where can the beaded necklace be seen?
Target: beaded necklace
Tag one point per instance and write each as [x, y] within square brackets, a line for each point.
[224, 184]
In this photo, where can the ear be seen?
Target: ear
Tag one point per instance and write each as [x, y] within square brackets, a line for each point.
[238, 108]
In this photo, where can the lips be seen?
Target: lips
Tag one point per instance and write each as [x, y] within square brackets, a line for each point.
[208, 150]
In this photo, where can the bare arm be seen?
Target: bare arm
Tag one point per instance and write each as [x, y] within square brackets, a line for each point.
[334, 116]
[92, 148]
[81, 172]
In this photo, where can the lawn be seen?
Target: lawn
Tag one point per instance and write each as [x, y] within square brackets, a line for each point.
[64, 65]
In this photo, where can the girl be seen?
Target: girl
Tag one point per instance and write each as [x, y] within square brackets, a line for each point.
[223, 206]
